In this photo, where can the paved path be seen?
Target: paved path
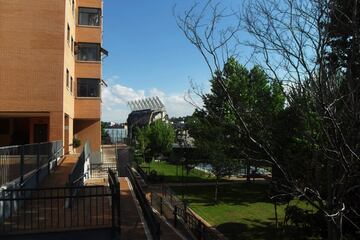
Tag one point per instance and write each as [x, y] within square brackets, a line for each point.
[167, 232]
[132, 226]
[60, 176]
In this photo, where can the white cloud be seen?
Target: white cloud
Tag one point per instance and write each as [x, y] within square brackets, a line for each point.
[115, 98]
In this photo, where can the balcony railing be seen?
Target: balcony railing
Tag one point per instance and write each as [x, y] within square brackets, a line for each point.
[18, 164]
[81, 169]
[38, 210]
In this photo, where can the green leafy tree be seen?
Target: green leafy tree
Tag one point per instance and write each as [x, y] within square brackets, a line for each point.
[155, 139]
[211, 138]
[257, 99]
[161, 136]
[142, 141]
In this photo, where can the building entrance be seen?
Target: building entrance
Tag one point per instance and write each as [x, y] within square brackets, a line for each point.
[40, 133]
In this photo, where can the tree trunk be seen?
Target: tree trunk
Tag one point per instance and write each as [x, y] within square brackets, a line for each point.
[216, 189]
[333, 233]
[276, 215]
[248, 180]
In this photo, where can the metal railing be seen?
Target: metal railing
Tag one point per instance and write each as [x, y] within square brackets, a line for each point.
[58, 209]
[115, 206]
[141, 172]
[149, 215]
[19, 163]
[79, 170]
[171, 207]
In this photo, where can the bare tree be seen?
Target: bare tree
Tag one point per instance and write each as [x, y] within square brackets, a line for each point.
[293, 38]
[291, 42]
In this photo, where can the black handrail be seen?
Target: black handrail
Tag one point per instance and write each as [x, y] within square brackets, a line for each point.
[78, 173]
[115, 207]
[153, 223]
[181, 212]
[44, 209]
[20, 163]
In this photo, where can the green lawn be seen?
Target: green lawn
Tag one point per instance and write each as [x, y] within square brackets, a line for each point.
[242, 212]
[173, 173]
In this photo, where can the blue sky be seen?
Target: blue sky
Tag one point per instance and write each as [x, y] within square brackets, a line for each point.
[148, 55]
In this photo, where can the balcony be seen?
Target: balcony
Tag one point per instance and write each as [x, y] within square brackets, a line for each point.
[88, 69]
[87, 107]
[88, 34]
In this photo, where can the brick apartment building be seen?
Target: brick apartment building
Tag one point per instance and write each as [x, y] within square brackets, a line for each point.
[50, 71]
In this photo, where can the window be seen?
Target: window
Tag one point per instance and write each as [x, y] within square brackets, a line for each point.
[67, 78]
[89, 16]
[71, 84]
[73, 7]
[68, 33]
[88, 87]
[89, 52]
[72, 44]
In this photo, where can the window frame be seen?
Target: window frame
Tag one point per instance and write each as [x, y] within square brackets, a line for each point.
[67, 78]
[99, 11]
[73, 7]
[98, 57]
[72, 45]
[68, 33]
[88, 95]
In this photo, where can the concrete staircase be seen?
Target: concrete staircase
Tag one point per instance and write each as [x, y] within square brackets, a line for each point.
[109, 160]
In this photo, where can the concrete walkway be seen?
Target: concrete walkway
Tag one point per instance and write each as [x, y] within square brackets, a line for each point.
[167, 231]
[132, 226]
[60, 176]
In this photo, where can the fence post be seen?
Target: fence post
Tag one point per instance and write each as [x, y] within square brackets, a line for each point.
[21, 164]
[118, 208]
[158, 232]
[38, 164]
[50, 158]
[56, 152]
[151, 198]
[175, 216]
[112, 208]
[161, 206]
[185, 213]
[200, 230]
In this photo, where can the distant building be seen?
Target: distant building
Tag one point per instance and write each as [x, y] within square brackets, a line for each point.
[144, 112]
[50, 71]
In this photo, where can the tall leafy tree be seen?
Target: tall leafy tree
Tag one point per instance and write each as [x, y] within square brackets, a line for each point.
[161, 136]
[155, 139]
[255, 97]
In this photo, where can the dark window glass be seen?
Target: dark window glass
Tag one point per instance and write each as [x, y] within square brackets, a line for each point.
[88, 87]
[73, 7]
[72, 44]
[71, 84]
[68, 33]
[4, 126]
[88, 52]
[67, 78]
[89, 16]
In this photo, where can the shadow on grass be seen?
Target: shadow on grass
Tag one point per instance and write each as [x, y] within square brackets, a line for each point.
[187, 179]
[261, 230]
[234, 194]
